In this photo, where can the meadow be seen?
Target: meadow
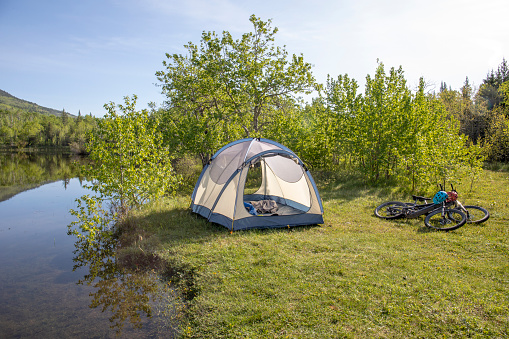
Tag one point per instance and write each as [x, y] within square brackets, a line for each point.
[355, 276]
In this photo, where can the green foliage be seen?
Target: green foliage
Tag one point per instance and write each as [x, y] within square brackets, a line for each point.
[288, 125]
[9, 102]
[93, 228]
[128, 167]
[489, 90]
[29, 129]
[333, 124]
[483, 114]
[189, 168]
[129, 163]
[469, 108]
[474, 158]
[225, 89]
[497, 140]
[504, 93]
[436, 149]
[383, 125]
[317, 146]
[388, 133]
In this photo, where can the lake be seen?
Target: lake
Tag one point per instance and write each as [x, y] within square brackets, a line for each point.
[40, 296]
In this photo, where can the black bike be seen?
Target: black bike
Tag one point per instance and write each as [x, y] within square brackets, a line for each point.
[445, 216]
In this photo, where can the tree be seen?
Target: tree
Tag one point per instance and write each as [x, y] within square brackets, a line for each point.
[443, 86]
[225, 88]
[389, 133]
[369, 129]
[467, 106]
[333, 124]
[129, 164]
[503, 90]
[497, 136]
[489, 88]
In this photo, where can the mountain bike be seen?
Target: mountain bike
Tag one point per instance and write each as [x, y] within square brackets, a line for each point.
[445, 216]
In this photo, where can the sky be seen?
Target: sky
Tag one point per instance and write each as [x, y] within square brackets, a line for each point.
[81, 55]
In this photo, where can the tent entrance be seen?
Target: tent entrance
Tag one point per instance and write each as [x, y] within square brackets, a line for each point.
[262, 190]
[254, 179]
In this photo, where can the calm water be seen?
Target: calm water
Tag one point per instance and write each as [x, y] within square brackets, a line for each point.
[39, 294]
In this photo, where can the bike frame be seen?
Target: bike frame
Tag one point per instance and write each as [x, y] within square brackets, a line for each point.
[417, 210]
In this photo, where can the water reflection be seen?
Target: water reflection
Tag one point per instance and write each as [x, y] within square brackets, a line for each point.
[130, 291]
[39, 273]
[23, 171]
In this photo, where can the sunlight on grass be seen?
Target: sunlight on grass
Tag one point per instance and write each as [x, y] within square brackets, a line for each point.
[355, 276]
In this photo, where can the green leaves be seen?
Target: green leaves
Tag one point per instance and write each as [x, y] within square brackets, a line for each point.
[225, 89]
[32, 129]
[389, 132]
[129, 163]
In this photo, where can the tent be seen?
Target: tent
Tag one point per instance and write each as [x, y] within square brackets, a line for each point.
[257, 183]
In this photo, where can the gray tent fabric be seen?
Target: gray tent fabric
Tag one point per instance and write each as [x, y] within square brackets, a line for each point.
[287, 195]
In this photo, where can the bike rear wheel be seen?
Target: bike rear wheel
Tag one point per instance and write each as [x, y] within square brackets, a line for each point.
[476, 214]
[449, 220]
[391, 210]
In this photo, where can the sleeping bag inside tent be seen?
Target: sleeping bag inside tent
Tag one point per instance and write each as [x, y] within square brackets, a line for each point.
[257, 183]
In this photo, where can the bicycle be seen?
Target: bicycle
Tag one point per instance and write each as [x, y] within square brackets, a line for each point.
[475, 214]
[444, 216]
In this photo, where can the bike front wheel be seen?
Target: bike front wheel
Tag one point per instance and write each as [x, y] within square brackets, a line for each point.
[476, 214]
[391, 210]
[445, 220]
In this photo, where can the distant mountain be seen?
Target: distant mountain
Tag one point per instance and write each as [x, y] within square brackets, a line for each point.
[10, 102]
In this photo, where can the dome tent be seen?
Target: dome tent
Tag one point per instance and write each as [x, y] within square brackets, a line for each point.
[280, 178]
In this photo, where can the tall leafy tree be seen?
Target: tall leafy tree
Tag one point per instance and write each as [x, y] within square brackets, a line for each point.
[386, 116]
[504, 93]
[497, 136]
[129, 163]
[390, 133]
[335, 125]
[227, 88]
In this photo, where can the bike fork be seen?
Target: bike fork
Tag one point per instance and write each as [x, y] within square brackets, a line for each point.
[458, 204]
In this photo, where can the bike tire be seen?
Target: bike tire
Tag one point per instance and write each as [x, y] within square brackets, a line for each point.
[476, 214]
[453, 219]
[391, 210]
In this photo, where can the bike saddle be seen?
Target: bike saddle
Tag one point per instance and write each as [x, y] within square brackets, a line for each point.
[419, 198]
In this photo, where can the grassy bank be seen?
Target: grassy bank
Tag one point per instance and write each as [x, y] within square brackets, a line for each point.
[355, 276]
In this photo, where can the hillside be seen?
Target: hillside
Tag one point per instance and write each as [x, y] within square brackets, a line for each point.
[10, 102]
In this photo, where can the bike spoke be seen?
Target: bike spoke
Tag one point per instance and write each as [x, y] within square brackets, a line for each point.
[476, 214]
[390, 210]
[445, 220]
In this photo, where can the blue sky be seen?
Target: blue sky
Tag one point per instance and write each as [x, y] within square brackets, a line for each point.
[80, 55]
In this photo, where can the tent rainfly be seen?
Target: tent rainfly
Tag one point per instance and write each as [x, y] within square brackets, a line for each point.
[257, 183]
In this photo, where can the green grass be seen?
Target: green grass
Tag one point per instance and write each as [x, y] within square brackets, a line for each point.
[356, 276]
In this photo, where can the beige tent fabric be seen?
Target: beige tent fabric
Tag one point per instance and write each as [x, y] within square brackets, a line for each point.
[226, 203]
[207, 192]
[298, 191]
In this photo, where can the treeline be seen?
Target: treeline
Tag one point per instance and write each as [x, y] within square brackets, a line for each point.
[20, 129]
[225, 89]
[483, 113]
[415, 137]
